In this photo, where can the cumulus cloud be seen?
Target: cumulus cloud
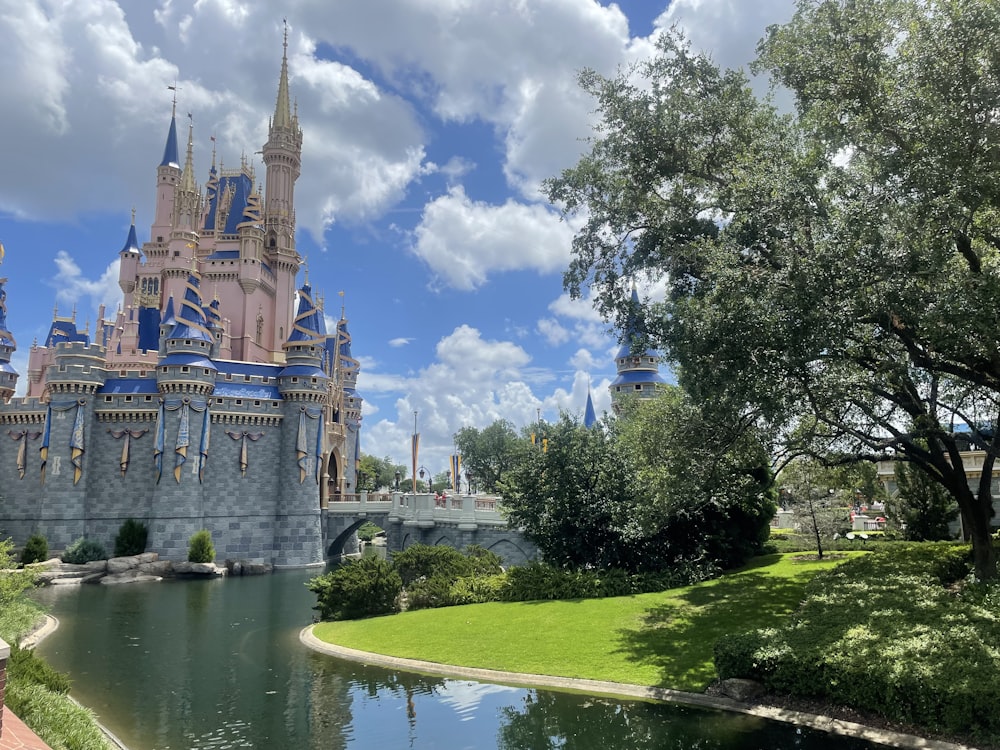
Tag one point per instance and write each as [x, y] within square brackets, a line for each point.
[464, 241]
[72, 286]
[398, 342]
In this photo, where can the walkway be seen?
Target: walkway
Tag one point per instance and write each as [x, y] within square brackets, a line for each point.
[622, 690]
[16, 736]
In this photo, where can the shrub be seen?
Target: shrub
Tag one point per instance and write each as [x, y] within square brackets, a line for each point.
[131, 538]
[59, 722]
[12, 583]
[367, 531]
[425, 561]
[887, 631]
[84, 551]
[482, 561]
[200, 547]
[36, 549]
[428, 593]
[537, 580]
[361, 588]
[26, 667]
[479, 589]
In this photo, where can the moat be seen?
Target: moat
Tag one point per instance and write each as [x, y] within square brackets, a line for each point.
[218, 664]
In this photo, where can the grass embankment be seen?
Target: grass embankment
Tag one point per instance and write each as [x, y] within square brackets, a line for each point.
[35, 692]
[663, 639]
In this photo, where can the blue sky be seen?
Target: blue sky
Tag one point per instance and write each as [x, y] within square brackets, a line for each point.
[428, 127]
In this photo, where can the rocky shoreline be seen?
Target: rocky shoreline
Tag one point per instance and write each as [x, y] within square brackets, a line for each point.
[147, 567]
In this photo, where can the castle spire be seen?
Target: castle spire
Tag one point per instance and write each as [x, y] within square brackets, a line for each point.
[282, 108]
[187, 177]
[170, 158]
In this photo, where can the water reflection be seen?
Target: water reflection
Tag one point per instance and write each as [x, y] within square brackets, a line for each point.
[217, 664]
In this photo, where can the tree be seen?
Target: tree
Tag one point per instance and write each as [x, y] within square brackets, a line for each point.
[821, 508]
[375, 474]
[832, 274]
[571, 499]
[921, 509]
[703, 488]
[487, 453]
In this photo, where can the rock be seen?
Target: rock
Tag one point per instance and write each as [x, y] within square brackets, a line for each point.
[247, 568]
[198, 569]
[96, 566]
[745, 691]
[148, 557]
[121, 564]
[128, 578]
[156, 568]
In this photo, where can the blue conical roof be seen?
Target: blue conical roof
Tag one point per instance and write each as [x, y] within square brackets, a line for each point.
[308, 326]
[170, 157]
[131, 242]
[631, 333]
[168, 313]
[589, 415]
[6, 339]
[191, 322]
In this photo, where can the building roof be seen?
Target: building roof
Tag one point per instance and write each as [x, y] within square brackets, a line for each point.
[638, 376]
[170, 157]
[246, 390]
[131, 242]
[191, 321]
[193, 360]
[116, 386]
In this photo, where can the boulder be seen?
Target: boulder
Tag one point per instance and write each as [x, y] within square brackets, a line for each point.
[148, 557]
[247, 568]
[128, 577]
[745, 691]
[156, 568]
[198, 569]
[121, 564]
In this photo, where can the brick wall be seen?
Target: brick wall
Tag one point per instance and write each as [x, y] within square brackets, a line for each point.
[4, 655]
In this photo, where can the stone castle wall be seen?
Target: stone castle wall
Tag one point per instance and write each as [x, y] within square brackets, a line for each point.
[265, 516]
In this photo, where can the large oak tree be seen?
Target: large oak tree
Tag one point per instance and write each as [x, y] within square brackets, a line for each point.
[833, 274]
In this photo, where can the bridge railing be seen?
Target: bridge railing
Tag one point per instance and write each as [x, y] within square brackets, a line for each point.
[423, 508]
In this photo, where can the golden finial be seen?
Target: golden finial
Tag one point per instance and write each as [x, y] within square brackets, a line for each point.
[2, 253]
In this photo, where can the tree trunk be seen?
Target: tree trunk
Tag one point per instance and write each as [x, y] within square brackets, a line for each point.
[984, 555]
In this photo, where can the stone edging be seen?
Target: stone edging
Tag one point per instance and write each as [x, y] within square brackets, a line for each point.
[618, 689]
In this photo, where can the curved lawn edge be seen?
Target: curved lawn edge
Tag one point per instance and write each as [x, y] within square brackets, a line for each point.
[623, 690]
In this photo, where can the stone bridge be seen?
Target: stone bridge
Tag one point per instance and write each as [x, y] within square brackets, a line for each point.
[456, 521]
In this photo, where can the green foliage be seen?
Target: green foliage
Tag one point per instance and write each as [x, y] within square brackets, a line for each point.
[886, 632]
[538, 581]
[646, 492]
[361, 588]
[36, 549]
[84, 551]
[426, 561]
[12, 582]
[28, 668]
[488, 453]
[478, 589]
[60, 723]
[367, 531]
[200, 547]
[482, 561]
[922, 510]
[131, 538]
[775, 234]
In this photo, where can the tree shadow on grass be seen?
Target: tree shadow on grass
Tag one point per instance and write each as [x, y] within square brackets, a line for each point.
[678, 636]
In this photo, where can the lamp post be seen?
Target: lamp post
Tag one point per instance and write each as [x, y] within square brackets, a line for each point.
[421, 472]
[468, 478]
[397, 480]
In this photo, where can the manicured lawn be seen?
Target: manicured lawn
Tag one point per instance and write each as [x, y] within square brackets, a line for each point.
[662, 639]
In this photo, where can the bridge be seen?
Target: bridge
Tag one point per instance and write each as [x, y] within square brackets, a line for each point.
[456, 521]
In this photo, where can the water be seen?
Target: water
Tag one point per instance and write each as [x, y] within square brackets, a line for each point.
[218, 664]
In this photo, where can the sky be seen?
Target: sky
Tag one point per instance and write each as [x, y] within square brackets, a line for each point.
[429, 126]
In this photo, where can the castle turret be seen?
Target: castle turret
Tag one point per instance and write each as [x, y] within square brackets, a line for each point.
[283, 158]
[128, 268]
[8, 375]
[638, 369]
[168, 176]
[187, 367]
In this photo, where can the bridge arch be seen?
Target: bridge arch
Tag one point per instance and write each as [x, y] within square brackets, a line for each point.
[336, 547]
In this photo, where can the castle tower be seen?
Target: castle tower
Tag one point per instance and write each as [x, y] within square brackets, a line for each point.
[638, 371]
[303, 386]
[168, 177]
[187, 367]
[8, 375]
[282, 156]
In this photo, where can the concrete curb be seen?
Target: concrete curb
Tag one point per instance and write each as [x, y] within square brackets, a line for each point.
[641, 692]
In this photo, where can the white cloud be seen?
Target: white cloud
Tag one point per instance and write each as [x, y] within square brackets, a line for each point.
[552, 331]
[72, 286]
[398, 342]
[582, 359]
[464, 241]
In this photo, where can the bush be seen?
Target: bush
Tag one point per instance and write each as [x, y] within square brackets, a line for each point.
[483, 562]
[36, 549]
[58, 721]
[428, 593]
[426, 561]
[361, 588]
[479, 589]
[84, 551]
[131, 538]
[886, 631]
[24, 666]
[200, 547]
[537, 581]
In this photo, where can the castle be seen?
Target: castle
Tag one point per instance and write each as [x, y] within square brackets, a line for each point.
[211, 400]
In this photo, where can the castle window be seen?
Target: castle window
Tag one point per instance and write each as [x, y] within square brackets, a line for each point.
[295, 380]
[274, 404]
[638, 387]
[187, 342]
[185, 369]
[256, 403]
[159, 238]
[207, 371]
[229, 376]
[239, 402]
[122, 373]
[128, 399]
[107, 399]
[177, 253]
[148, 398]
[142, 373]
[314, 381]
[246, 378]
[618, 389]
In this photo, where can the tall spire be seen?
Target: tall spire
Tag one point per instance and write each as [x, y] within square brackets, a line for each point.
[187, 177]
[282, 108]
[170, 150]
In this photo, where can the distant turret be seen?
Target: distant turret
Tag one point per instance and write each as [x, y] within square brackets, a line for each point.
[638, 370]
[8, 375]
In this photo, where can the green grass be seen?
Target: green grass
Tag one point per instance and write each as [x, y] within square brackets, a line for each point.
[663, 639]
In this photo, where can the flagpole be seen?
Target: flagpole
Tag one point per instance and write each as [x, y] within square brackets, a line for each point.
[413, 452]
